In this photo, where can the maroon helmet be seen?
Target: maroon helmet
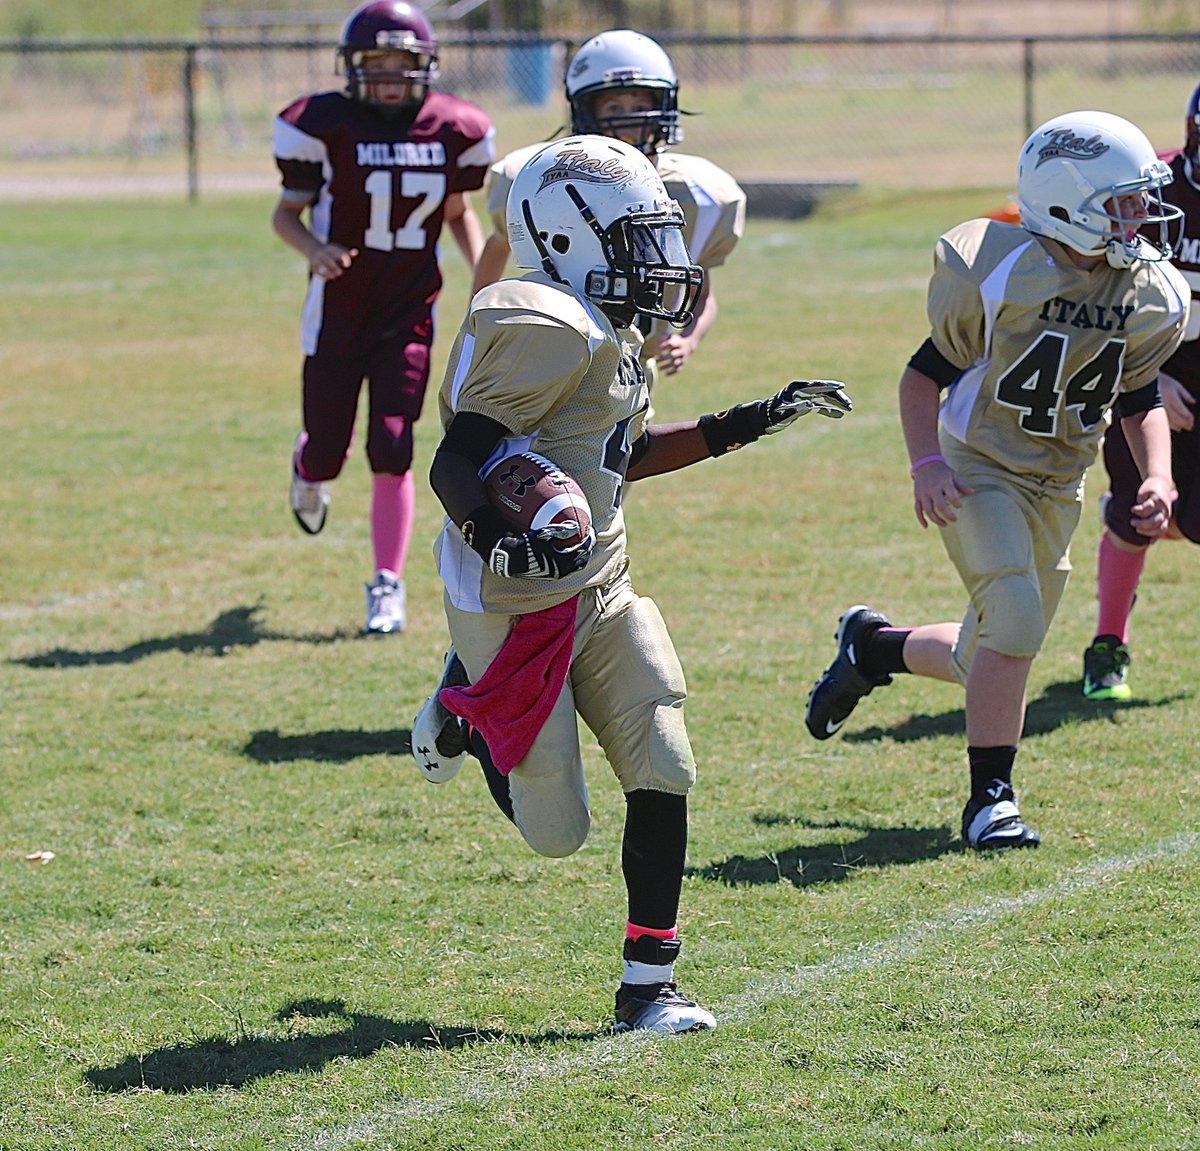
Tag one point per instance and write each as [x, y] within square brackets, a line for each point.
[388, 53]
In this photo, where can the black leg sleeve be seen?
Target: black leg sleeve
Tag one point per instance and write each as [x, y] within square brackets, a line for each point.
[652, 856]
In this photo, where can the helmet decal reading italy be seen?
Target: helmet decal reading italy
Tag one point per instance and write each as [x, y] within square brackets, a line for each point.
[592, 213]
[1092, 181]
[577, 164]
[1065, 142]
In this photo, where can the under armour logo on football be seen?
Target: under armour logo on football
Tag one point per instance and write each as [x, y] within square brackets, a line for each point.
[521, 484]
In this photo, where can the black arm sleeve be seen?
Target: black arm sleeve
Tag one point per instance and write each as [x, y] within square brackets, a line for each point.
[473, 436]
[1143, 400]
[930, 362]
[454, 476]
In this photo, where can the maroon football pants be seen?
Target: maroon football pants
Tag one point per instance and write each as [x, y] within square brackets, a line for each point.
[396, 371]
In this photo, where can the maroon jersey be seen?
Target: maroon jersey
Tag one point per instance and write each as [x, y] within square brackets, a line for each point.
[379, 185]
[1124, 478]
[1184, 365]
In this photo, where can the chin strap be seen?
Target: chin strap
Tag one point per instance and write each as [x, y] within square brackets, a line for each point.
[547, 263]
[1124, 254]
[621, 317]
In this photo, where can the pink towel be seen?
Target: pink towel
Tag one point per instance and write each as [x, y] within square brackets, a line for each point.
[511, 701]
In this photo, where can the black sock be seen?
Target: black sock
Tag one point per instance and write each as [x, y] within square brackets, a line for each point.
[497, 783]
[883, 652]
[987, 765]
[652, 856]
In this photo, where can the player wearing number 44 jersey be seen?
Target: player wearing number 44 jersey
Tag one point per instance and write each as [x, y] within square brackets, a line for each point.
[1038, 330]
[379, 168]
[542, 635]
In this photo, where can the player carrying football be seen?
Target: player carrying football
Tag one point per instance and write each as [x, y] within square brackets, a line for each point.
[1037, 331]
[379, 167]
[548, 363]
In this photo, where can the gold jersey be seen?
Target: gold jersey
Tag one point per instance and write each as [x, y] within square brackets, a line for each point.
[1045, 347]
[549, 366]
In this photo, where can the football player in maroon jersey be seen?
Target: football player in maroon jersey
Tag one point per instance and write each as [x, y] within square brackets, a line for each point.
[378, 168]
[1122, 553]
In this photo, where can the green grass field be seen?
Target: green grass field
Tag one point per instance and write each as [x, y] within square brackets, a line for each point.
[261, 930]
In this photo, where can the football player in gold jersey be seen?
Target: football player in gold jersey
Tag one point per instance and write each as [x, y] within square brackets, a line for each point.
[1038, 330]
[622, 84]
[548, 363]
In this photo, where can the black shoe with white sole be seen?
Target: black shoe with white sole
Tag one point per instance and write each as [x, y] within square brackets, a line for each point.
[993, 822]
[836, 694]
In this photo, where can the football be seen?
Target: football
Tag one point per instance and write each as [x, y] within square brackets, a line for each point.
[532, 493]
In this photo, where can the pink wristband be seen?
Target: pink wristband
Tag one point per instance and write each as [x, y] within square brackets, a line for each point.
[919, 464]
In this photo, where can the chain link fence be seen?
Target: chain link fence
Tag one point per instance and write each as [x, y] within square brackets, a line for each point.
[193, 118]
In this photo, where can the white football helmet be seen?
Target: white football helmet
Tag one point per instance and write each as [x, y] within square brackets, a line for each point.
[592, 213]
[625, 59]
[1073, 171]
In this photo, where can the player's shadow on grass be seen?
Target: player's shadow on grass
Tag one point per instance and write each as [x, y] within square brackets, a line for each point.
[1059, 704]
[207, 1064]
[337, 746]
[1062, 703]
[238, 627]
[831, 862]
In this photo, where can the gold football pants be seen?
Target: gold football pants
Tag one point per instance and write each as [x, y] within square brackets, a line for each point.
[627, 685]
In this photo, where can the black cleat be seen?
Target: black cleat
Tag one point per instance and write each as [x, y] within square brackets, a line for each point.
[994, 823]
[835, 695]
[1105, 666]
[658, 1006]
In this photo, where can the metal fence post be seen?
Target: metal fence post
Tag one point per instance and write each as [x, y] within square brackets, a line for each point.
[1028, 86]
[189, 122]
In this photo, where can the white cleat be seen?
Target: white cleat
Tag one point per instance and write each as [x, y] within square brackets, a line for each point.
[659, 1007]
[385, 605]
[310, 501]
[439, 741]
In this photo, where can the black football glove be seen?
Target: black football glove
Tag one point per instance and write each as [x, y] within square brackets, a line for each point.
[532, 555]
[742, 424]
[800, 397]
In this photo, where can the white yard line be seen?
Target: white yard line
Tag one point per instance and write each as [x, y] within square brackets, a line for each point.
[518, 1072]
[60, 604]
